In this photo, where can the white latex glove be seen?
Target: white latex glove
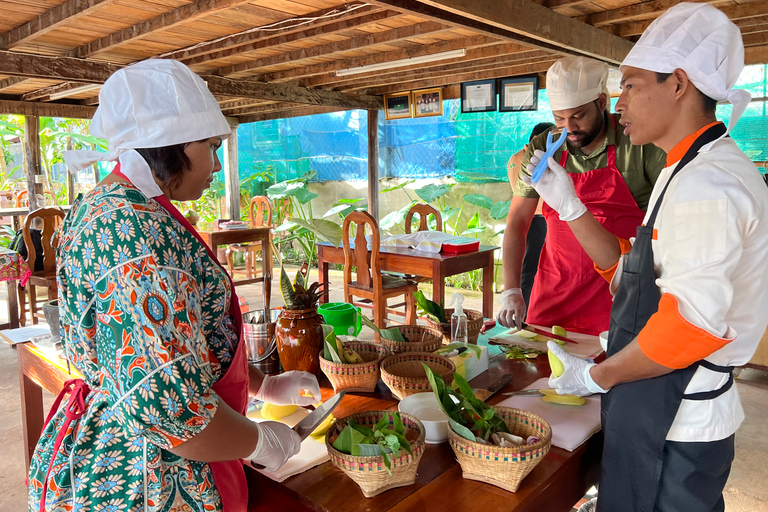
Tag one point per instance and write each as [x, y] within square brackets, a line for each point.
[287, 389]
[277, 443]
[512, 308]
[576, 379]
[556, 188]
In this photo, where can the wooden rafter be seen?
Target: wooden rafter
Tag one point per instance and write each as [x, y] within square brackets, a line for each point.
[31, 108]
[55, 68]
[10, 82]
[559, 5]
[165, 21]
[353, 43]
[45, 93]
[50, 20]
[299, 112]
[524, 20]
[634, 12]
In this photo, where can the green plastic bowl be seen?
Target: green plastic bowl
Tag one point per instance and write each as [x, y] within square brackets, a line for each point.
[344, 317]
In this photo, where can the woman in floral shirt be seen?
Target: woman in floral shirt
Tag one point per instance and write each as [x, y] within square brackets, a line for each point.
[151, 321]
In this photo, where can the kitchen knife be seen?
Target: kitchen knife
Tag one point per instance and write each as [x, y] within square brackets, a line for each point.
[485, 394]
[316, 417]
[542, 332]
[525, 392]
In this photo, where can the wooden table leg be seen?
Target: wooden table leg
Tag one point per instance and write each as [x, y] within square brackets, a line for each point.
[13, 304]
[266, 270]
[31, 410]
[322, 275]
[438, 282]
[488, 287]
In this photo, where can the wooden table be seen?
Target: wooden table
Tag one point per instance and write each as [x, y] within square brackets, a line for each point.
[215, 236]
[436, 266]
[555, 484]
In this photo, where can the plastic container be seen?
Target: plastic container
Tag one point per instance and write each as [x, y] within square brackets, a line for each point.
[344, 317]
[458, 320]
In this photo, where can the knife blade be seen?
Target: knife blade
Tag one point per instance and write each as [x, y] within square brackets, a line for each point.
[525, 392]
[316, 417]
[485, 394]
[542, 332]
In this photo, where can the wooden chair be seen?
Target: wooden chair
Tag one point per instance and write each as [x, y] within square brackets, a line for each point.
[51, 219]
[21, 199]
[424, 210]
[260, 215]
[370, 284]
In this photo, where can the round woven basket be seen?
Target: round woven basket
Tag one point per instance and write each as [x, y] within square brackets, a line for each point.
[404, 375]
[370, 473]
[504, 467]
[420, 339]
[474, 324]
[361, 377]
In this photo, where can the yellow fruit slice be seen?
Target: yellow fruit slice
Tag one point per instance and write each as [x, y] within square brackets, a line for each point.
[324, 426]
[564, 400]
[559, 331]
[555, 365]
[552, 392]
[526, 334]
[276, 412]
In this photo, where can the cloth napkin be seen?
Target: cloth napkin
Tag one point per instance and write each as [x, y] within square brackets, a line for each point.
[571, 425]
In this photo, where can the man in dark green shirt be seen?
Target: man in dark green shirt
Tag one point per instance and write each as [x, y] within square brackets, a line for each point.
[611, 174]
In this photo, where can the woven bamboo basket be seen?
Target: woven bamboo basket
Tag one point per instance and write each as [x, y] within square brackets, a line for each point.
[361, 377]
[405, 376]
[474, 324]
[504, 467]
[420, 339]
[369, 472]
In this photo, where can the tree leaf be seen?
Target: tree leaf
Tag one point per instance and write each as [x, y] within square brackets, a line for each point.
[348, 438]
[431, 192]
[459, 429]
[480, 200]
[394, 218]
[500, 210]
[383, 422]
[363, 430]
[342, 209]
[304, 196]
[398, 423]
[472, 231]
[397, 187]
[284, 189]
[474, 221]
[327, 230]
[448, 212]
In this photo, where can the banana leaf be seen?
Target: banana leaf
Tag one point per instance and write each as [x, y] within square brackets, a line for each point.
[431, 308]
[391, 334]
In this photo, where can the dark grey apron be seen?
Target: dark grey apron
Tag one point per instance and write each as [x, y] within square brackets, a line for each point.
[637, 416]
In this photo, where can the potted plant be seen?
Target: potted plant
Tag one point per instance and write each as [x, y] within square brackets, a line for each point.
[299, 330]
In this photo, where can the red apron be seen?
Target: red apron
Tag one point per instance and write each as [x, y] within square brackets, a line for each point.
[567, 290]
[232, 387]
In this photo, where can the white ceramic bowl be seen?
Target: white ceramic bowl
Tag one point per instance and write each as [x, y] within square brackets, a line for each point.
[425, 407]
[604, 340]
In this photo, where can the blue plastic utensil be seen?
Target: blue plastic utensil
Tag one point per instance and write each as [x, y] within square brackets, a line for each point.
[551, 148]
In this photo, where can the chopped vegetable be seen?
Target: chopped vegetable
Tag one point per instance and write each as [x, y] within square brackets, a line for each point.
[518, 352]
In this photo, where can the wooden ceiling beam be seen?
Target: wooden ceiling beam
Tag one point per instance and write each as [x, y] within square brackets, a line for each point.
[28, 65]
[261, 108]
[50, 20]
[525, 69]
[31, 108]
[165, 21]
[559, 5]
[404, 53]
[10, 82]
[757, 39]
[45, 93]
[634, 12]
[525, 20]
[306, 111]
[756, 55]
[353, 43]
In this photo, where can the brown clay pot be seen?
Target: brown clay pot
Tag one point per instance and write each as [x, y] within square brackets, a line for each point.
[299, 336]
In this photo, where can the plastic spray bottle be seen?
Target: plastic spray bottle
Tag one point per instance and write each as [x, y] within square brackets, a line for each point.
[458, 320]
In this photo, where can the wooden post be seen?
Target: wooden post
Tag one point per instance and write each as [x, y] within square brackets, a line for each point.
[231, 173]
[32, 158]
[373, 163]
[70, 178]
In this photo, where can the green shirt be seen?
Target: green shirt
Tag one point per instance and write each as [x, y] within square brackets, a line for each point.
[639, 165]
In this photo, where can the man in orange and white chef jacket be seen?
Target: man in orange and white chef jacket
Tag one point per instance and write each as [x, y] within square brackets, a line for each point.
[691, 290]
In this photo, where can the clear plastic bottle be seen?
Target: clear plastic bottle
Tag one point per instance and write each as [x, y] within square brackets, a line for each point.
[458, 320]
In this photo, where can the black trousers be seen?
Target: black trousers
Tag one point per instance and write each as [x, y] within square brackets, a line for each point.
[694, 476]
[533, 244]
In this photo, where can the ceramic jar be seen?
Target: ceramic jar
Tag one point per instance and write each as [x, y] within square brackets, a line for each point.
[299, 335]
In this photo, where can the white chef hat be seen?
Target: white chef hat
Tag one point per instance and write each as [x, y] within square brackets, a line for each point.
[150, 104]
[703, 42]
[575, 81]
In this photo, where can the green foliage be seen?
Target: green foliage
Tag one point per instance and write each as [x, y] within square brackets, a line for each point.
[430, 308]
[386, 438]
[391, 334]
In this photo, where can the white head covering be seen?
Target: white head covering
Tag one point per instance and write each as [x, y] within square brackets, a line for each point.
[575, 81]
[703, 42]
[151, 104]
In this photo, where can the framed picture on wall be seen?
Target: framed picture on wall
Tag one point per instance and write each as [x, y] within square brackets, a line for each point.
[519, 94]
[428, 102]
[397, 106]
[478, 96]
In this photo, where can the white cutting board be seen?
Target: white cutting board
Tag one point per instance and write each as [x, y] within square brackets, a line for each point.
[312, 452]
[587, 346]
[571, 425]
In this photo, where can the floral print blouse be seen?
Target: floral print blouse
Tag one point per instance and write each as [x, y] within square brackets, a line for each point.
[144, 316]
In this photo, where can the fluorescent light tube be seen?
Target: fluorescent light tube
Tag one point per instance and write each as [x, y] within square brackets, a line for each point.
[403, 62]
[72, 92]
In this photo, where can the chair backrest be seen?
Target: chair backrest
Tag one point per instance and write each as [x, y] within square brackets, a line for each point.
[51, 219]
[424, 210]
[367, 262]
[260, 212]
[22, 200]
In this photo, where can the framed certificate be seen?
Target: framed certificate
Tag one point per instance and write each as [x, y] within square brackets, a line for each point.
[519, 94]
[478, 96]
[397, 106]
[428, 102]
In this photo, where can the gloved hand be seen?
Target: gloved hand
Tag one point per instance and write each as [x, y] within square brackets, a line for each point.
[286, 389]
[556, 188]
[512, 308]
[576, 379]
[277, 443]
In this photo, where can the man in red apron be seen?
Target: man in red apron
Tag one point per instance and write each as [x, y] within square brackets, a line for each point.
[691, 290]
[612, 177]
